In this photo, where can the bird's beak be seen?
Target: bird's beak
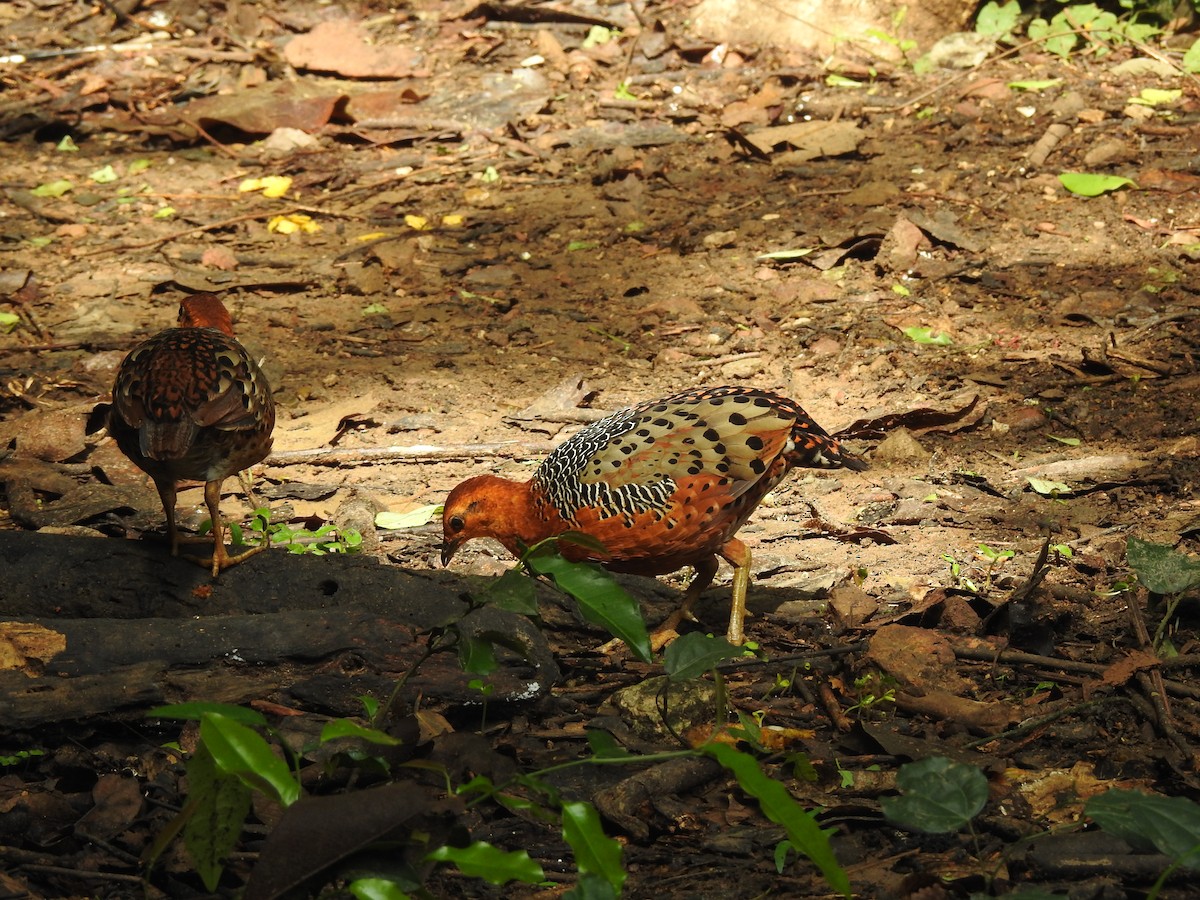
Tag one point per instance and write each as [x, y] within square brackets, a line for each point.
[449, 548]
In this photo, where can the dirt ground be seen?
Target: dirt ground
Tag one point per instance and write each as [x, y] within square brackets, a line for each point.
[612, 223]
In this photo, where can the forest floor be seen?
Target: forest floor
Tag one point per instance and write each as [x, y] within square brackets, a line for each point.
[610, 223]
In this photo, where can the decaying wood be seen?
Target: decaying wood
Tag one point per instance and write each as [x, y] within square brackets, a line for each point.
[93, 626]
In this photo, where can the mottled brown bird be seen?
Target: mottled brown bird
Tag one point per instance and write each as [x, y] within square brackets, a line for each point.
[190, 404]
[662, 485]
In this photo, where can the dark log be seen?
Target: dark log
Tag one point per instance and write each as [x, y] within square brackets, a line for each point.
[91, 626]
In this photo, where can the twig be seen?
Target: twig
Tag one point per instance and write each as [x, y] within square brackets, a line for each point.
[324, 456]
[720, 360]
[211, 226]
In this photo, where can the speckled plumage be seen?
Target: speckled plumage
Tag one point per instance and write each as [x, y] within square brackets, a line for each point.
[662, 485]
[190, 404]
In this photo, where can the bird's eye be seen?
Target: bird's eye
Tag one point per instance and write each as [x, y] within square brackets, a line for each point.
[457, 523]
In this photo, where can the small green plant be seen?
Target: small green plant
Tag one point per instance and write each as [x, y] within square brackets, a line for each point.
[1076, 27]
[1165, 573]
[19, 757]
[319, 541]
[873, 690]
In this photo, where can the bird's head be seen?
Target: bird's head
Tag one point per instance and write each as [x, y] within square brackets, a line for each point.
[488, 506]
[205, 311]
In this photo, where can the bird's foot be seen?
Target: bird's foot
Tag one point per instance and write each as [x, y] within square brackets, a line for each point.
[222, 559]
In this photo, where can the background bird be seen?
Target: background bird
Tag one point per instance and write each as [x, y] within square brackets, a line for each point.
[662, 485]
[190, 404]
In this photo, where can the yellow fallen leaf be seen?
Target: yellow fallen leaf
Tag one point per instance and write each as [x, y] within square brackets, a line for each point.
[454, 220]
[273, 186]
[293, 223]
[417, 223]
[372, 236]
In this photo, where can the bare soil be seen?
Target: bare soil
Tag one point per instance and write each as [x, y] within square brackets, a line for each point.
[486, 239]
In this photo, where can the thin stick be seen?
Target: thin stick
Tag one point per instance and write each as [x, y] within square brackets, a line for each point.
[337, 456]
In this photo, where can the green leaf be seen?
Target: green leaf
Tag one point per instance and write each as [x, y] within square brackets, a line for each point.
[1070, 442]
[217, 807]
[595, 852]
[344, 728]
[835, 80]
[1155, 97]
[195, 710]
[477, 656]
[786, 255]
[1087, 184]
[1035, 86]
[67, 145]
[937, 795]
[1191, 59]
[591, 886]
[8, 321]
[243, 752]
[597, 35]
[495, 866]
[1170, 825]
[139, 165]
[1161, 568]
[53, 188]
[377, 889]
[514, 591]
[604, 746]
[1056, 36]
[575, 246]
[1048, 487]
[601, 600]
[924, 335]
[413, 518]
[106, 175]
[805, 835]
[693, 654]
[996, 19]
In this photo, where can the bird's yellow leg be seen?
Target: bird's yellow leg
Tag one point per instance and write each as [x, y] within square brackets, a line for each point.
[737, 555]
[221, 558]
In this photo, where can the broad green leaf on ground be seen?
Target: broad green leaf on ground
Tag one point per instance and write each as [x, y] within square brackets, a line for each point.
[53, 188]
[922, 334]
[785, 255]
[217, 807]
[937, 795]
[1191, 59]
[344, 728]
[493, 865]
[693, 654]
[195, 710]
[601, 600]
[604, 746]
[1162, 568]
[805, 835]
[1035, 85]
[1047, 487]
[376, 889]
[241, 751]
[595, 852]
[1170, 825]
[413, 518]
[1088, 184]
[1156, 97]
[8, 321]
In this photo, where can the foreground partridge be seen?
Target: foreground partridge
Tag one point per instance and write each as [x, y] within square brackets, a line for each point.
[190, 404]
[662, 485]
